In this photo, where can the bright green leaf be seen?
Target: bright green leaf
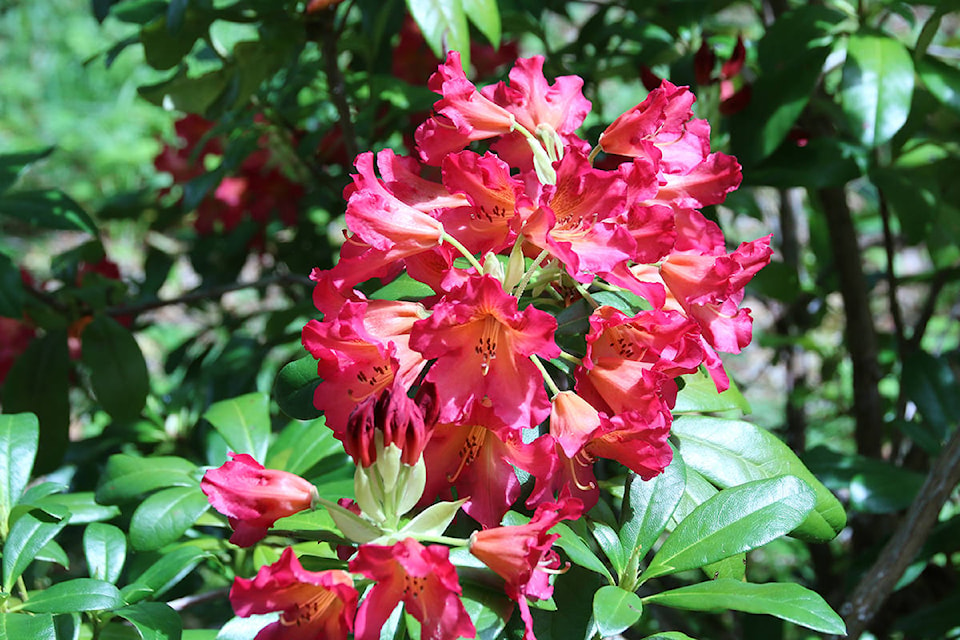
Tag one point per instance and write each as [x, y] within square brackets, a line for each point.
[105, 549]
[80, 594]
[733, 521]
[19, 435]
[13, 164]
[731, 452]
[54, 553]
[14, 626]
[433, 520]
[82, 506]
[301, 445]
[942, 80]
[578, 551]
[172, 567]
[787, 601]
[889, 491]
[118, 371]
[485, 15]
[127, 476]
[615, 610]
[444, 26]
[154, 620]
[877, 87]
[403, 287]
[609, 542]
[165, 516]
[648, 505]
[669, 635]
[699, 394]
[245, 628]
[28, 535]
[244, 422]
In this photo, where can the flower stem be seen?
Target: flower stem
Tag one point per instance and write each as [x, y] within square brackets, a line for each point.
[528, 275]
[547, 378]
[450, 542]
[463, 251]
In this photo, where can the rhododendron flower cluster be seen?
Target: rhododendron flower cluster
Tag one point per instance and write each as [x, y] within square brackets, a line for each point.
[258, 189]
[563, 303]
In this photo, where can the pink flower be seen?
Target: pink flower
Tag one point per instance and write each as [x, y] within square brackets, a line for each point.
[253, 498]
[482, 343]
[311, 604]
[394, 418]
[523, 555]
[422, 578]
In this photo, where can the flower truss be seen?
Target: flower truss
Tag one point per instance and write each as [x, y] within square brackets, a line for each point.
[562, 304]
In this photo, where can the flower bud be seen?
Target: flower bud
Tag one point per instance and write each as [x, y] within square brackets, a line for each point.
[253, 498]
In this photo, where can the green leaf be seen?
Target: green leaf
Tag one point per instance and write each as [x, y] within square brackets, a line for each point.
[790, 602]
[930, 383]
[578, 551]
[13, 164]
[172, 567]
[733, 521]
[615, 610]
[19, 435]
[165, 516]
[80, 594]
[648, 505]
[105, 549]
[127, 477]
[28, 535]
[47, 209]
[489, 610]
[609, 542]
[244, 422]
[942, 80]
[485, 15]
[11, 289]
[53, 552]
[82, 506]
[20, 625]
[433, 520]
[301, 445]
[444, 26]
[731, 452]
[38, 382]
[403, 287]
[245, 628]
[154, 620]
[165, 47]
[877, 88]
[295, 387]
[118, 371]
[699, 394]
[669, 635]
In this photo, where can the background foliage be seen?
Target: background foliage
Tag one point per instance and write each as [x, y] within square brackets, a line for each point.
[142, 299]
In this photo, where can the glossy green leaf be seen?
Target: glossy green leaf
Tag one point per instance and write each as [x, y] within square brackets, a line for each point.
[942, 80]
[38, 383]
[433, 520]
[19, 435]
[14, 626]
[172, 567]
[28, 535]
[244, 422]
[648, 505]
[578, 551]
[787, 601]
[699, 394]
[301, 445]
[489, 610]
[127, 477]
[118, 371]
[245, 628]
[731, 452]
[609, 542]
[165, 516]
[164, 48]
[669, 635]
[105, 549]
[930, 383]
[154, 620]
[485, 15]
[83, 508]
[295, 386]
[444, 26]
[13, 164]
[403, 287]
[54, 553]
[733, 521]
[11, 289]
[80, 594]
[877, 88]
[615, 610]
[47, 209]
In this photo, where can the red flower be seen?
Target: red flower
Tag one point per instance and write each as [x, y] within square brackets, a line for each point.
[523, 555]
[423, 579]
[15, 337]
[253, 498]
[312, 604]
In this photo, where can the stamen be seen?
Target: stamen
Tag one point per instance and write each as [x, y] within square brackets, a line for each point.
[469, 451]
[306, 611]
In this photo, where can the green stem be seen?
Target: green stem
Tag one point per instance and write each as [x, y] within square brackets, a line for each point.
[586, 294]
[569, 357]
[450, 542]
[593, 154]
[463, 251]
[554, 390]
[528, 275]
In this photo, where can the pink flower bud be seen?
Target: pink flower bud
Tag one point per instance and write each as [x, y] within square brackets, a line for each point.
[253, 498]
